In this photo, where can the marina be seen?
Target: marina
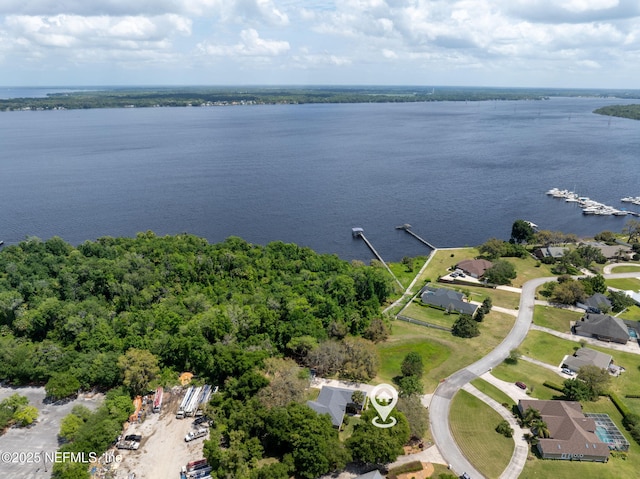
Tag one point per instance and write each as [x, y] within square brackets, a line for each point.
[593, 207]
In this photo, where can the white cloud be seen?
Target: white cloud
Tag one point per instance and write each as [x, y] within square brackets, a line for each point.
[250, 45]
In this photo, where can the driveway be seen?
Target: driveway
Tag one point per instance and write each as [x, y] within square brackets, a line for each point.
[441, 401]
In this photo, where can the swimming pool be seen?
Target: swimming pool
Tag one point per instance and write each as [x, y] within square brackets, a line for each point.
[603, 435]
[633, 333]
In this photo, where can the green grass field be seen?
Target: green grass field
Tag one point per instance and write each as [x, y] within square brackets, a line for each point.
[624, 283]
[442, 353]
[532, 375]
[632, 313]
[631, 268]
[492, 391]
[473, 426]
[554, 318]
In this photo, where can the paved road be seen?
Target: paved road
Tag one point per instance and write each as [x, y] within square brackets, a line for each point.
[441, 401]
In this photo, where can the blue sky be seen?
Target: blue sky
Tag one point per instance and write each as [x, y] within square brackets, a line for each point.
[528, 43]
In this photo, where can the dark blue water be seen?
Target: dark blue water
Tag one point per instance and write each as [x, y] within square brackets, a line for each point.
[460, 173]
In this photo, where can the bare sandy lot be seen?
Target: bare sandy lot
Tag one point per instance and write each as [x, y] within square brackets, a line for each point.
[163, 450]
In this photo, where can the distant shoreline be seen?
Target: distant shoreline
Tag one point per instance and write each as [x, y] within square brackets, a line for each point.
[148, 97]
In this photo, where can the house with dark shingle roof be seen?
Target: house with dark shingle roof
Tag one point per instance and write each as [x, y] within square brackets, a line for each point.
[602, 327]
[334, 402]
[587, 357]
[447, 299]
[572, 435]
[595, 303]
[474, 267]
[550, 252]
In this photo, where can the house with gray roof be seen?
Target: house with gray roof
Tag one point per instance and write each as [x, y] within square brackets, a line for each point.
[447, 299]
[572, 435]
[587, 357]
[596, 303]
[602, 327]
[550, 252]
[371, 475]
[334, 402]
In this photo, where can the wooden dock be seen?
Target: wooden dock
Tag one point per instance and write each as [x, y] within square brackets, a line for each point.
[407, 228]
[359, 233]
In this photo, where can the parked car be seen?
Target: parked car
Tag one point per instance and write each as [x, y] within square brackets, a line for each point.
[521, 385]
[568, 371]
[465, 476]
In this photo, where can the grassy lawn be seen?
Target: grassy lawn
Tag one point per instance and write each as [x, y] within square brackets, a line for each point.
[347, 429]
[616, 468]
[442, 353]
[632, 313]
[473, 426]
[527, 269]
[493, 392]
[624, 283]
[554, 318]
[404, 276]
[421, 312]
[550, 349]
[631, 268]
[442, 260]
[530, 374]
[547, 347]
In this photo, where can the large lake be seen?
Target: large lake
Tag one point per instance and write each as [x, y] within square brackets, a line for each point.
[459, 172]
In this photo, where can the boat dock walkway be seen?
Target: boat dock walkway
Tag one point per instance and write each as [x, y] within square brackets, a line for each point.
[359, 233]
[407, 228]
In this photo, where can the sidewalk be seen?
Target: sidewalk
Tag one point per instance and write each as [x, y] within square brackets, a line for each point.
[521, 452]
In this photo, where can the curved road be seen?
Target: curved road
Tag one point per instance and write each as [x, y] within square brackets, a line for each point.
[441, 401]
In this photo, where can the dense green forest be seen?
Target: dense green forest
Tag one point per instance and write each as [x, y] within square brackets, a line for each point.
[211, 96]
[624, 111]
[127, 313]
[216, 310]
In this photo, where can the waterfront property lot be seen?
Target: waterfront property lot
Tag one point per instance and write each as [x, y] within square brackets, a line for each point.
[443, 353]
[400, 270]
[473, 425]
[555, 318]
[527, 269]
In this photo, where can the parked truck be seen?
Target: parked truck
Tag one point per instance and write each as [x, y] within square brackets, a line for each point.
[201, 432]
[157, 400]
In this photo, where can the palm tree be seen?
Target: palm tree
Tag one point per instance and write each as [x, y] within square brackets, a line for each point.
[540, 428]
[531, 415]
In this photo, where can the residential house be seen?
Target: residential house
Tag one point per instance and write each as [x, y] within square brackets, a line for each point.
[602, 327]
[474, 267]
[596, 304]
[447, 299]
[616, 251]
[572, 435]
[587, 357]
[334, 402]
[550, 252]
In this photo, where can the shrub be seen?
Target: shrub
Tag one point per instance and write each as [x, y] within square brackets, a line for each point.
[554, 386]
[621, 406]
[504, 428]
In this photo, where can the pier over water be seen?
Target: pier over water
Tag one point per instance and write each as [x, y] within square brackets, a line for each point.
[407, 228]
[359, 233]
